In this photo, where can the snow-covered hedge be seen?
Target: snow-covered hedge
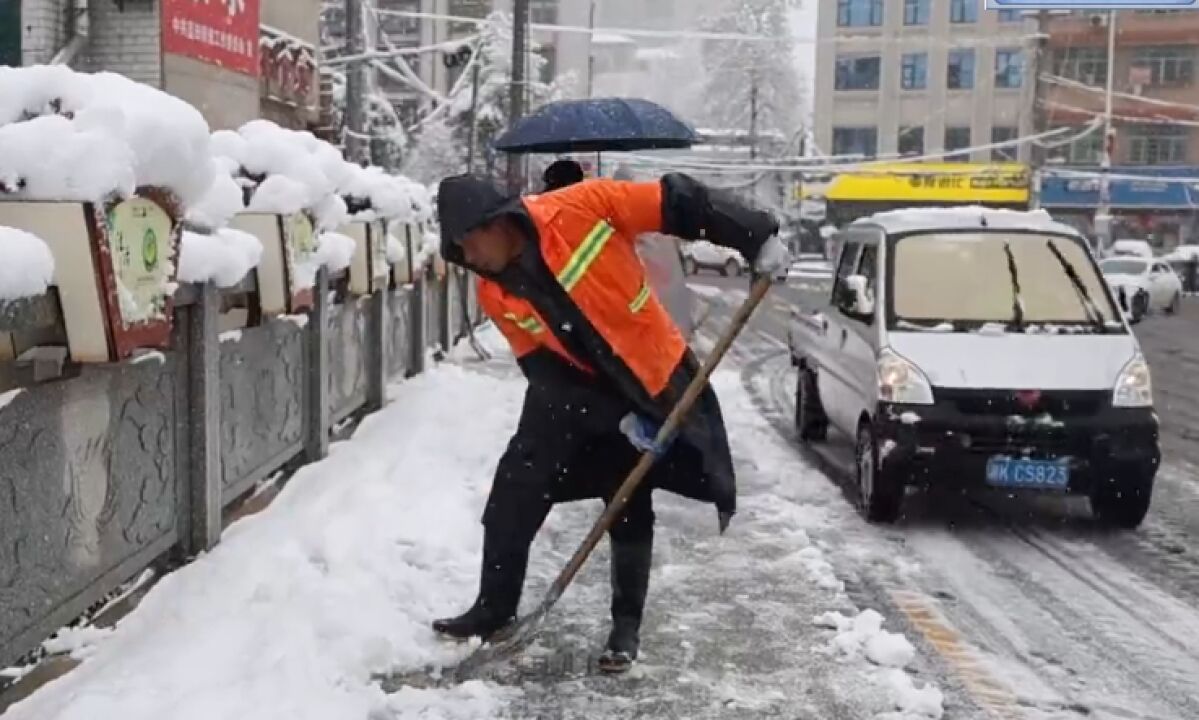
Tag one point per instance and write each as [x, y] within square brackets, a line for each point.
[66, 135]
[28, 266]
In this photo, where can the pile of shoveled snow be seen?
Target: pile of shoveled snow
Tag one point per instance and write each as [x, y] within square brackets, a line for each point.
[28, 267]
[863, 636]
[66, 135]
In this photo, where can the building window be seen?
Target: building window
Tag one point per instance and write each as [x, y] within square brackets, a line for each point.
[1086, 65]
[467, 8]
[957, 138]
[963, 11]
[1157, 145]
[858, 13]
[544, 12]
[911, 140]
[1008, 152]
[1007, 16]
[913, 73]
[915, 12]
[855, 141]
[1086, 150]
[858, 73]
[1009, 68]
[1169, 64]
[959, 73]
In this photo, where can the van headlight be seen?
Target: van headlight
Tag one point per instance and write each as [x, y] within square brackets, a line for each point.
[1134, 387]
[899, 381]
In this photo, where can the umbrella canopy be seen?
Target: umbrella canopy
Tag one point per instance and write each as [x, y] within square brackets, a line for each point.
[597, 125]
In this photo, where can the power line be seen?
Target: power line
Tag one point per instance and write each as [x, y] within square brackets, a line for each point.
[1072, 83]
[924, 41]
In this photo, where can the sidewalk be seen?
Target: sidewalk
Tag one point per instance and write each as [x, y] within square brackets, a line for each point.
[299, 606]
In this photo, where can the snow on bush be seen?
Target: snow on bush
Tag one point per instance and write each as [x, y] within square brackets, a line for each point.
[223, 257]
[292, 171]
[28, 267]
[335, 251]
[66, 135]
[223, 200]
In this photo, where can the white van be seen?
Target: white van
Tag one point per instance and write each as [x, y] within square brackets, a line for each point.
[978, 347]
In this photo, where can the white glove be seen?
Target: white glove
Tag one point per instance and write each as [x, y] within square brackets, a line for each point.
[773, 259]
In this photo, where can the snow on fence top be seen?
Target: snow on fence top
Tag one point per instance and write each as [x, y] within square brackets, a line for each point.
[287, 171]
[28, 267]
[66, 135]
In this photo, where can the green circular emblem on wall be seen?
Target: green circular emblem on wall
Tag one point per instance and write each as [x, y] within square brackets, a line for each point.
[150, 249]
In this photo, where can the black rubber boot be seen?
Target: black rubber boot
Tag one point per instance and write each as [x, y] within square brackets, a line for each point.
[630, 582]
[501, 581]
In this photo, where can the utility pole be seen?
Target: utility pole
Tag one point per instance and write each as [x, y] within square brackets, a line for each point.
[474, 107]
[753, 133]
[1103, 212]
[357, 142]
[1040, 114]
[591, 51]
[516, 90]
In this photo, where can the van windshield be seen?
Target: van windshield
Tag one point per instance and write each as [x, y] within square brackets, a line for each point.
[1123, 266]
[1020, 280]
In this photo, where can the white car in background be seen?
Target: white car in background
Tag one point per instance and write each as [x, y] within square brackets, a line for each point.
[1132, 248]
[703, 255]
[1146, 284]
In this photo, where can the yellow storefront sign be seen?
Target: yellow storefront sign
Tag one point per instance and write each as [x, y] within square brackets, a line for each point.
[983, 183]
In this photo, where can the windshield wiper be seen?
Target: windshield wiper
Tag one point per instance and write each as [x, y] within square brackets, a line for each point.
[1017, 303]
[1084, 295]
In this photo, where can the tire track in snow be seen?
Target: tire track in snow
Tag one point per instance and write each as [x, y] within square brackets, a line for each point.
[1108, 608]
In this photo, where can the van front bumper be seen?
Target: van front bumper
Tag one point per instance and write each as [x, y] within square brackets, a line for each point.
[950, 442]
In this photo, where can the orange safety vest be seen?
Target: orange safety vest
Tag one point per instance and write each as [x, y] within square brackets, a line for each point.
[587, 236]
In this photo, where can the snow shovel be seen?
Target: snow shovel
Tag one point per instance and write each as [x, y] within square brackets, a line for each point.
[464, 300]
[526, 628]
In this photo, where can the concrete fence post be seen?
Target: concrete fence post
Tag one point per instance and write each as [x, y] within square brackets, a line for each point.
[376, 350]
[204, 420]
[316, 373]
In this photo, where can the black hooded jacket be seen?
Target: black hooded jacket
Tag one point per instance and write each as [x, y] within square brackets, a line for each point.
[689, 211]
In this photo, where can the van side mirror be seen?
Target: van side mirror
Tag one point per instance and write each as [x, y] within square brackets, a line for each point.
[857, 298]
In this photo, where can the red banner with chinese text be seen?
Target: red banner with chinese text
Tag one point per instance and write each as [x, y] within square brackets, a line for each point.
[220, 32]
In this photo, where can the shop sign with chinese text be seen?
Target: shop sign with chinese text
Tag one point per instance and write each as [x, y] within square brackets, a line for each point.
[218, 32]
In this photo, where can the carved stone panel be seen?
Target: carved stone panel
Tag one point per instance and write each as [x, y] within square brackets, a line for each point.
[347, 357]
[262, 400]
[88, 481]
[399, 333]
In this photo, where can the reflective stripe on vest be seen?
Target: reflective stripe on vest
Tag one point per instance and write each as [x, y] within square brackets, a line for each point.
[641, 299]
[530, 324]
[585, 254]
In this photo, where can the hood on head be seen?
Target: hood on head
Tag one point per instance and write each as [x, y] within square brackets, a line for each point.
[465, 202]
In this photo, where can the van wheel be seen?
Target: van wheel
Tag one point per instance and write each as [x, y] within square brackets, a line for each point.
[810, 420]
[1175, 304]
[880, 489]
[689, 267]
[1123, 501]
[731, 268]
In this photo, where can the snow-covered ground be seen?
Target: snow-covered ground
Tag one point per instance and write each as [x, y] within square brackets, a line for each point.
[297, 609]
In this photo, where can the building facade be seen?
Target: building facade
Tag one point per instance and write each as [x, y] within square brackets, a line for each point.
[917, 77]
[1155, 109]
[234, 61]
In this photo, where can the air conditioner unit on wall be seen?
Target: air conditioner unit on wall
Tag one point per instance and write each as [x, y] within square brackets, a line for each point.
[1098, 19]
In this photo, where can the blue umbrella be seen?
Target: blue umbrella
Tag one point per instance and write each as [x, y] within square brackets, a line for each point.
[598, 125]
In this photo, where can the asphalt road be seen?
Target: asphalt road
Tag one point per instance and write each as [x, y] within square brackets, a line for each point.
[1032, 610]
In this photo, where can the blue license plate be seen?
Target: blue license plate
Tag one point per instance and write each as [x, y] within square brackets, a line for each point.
[1009, 472]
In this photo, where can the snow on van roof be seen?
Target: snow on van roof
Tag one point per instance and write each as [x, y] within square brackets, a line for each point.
[958, 218]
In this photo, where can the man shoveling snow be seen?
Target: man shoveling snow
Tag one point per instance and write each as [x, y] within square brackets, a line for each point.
[560, 276]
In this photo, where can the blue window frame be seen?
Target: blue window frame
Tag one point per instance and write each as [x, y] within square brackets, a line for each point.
[964, 11]
[860, 72]
[855, 141]
[959, 72]
[913, 71]
[859, 13]
[915, 12]
[1009, 68]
